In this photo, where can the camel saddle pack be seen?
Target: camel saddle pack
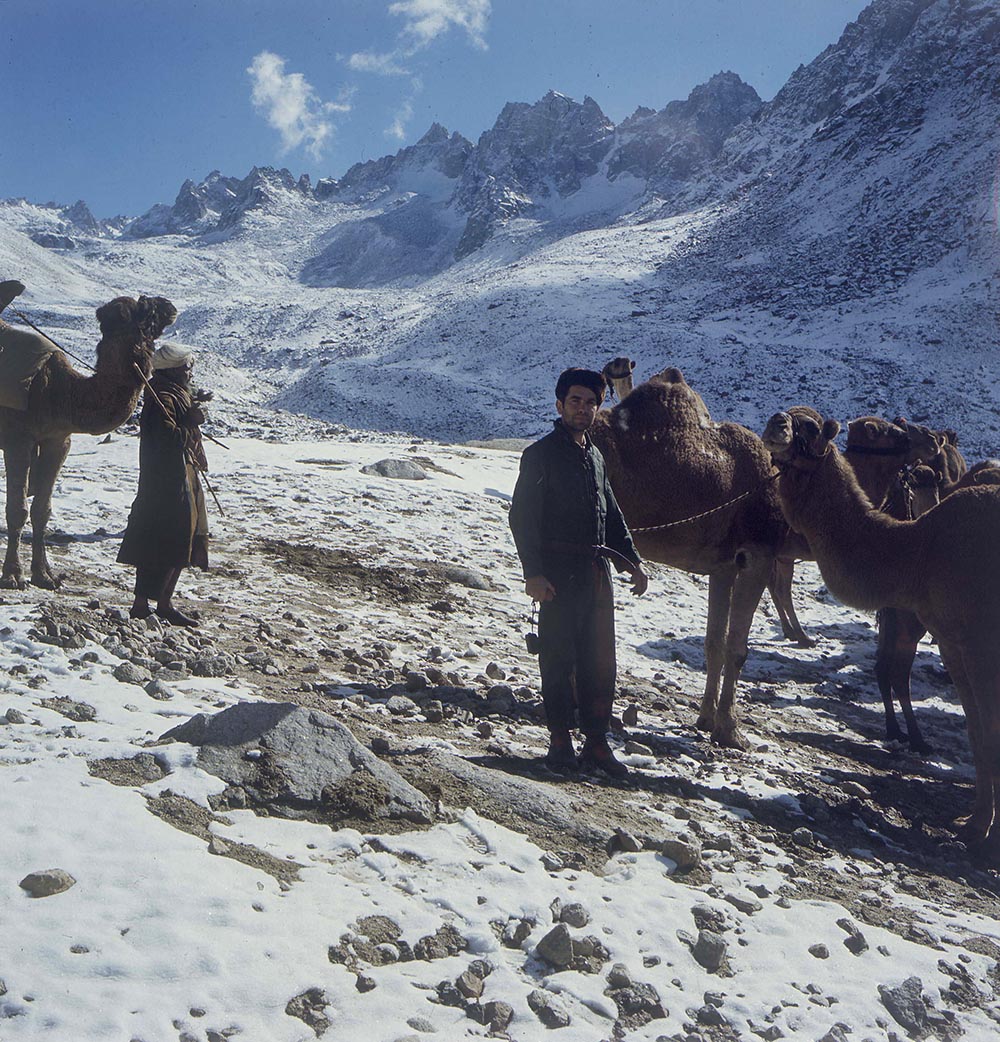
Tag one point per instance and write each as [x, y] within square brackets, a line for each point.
[22, 354]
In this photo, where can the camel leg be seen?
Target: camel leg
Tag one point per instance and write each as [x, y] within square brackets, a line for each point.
[720, 596]
[888, 628]
[780, 587]
[17, 460]
[971, 830]
[908, 633]
[982, 672]
[44, 471]
[747, 591]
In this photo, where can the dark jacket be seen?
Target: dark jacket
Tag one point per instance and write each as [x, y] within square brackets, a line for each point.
[563, 496]
[169, 507]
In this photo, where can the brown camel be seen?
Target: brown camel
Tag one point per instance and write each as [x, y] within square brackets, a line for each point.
[900, 631]
[877, 450]
[667, 462]
[944, 567]
[619, 373]
[61, 402]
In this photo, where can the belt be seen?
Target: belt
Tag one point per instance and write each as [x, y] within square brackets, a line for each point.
[620, 561]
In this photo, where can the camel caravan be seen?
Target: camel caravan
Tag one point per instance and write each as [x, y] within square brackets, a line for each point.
[897, 523]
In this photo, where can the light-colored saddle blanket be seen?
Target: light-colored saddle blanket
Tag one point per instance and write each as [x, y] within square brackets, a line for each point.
[22, 354]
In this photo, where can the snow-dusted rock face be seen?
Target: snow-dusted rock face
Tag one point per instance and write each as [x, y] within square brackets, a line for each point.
[835, 245]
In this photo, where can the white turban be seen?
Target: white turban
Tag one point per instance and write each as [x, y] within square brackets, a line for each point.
[170, 355]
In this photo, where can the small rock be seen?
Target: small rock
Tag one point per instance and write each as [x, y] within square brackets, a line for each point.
[415, 681]
[494, 672]
[469, 984]
[549, 1010]
[556, 947]
[622, 840]
[130, 673]
[552, 862]
[684, 854]
[48, 882]
[498, 1015]
[803, 837]
[906, 1005]
[309, 1008]
[364, 983]
[709, 950]
[744, 903]
[516, 932]
[819, 951]
[630, 717]
[619, 977]
[158, 690]
[14, 716]
[400, 705]
[421, 1024]
[855, 941]
[401, 469]
[574, 915]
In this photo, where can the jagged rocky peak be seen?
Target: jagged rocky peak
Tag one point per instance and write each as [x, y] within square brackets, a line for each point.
[676, 142]
[855, 63]
[262, 189]
[437, 152]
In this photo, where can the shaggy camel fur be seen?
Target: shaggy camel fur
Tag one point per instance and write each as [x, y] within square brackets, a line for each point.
[619, 373]
[62, 402]
[668, 461]
[944, 566]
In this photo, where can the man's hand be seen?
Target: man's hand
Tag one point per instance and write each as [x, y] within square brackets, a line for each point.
[538, 588]
[640, 581]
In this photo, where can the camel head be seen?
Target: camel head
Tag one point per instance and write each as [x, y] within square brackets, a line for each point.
[134, 324]
[799, 434]
[925, 445]
[618, 373]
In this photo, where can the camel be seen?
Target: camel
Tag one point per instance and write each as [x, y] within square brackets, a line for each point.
[877, 450]
[62, 402]
[944, 567]
[900, 631]
[667, 461]
[619, 374]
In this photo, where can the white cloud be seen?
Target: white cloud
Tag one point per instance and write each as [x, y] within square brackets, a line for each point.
[382, 64]
[428, 19]
[291, 105]
[424, 22]
[398, 128]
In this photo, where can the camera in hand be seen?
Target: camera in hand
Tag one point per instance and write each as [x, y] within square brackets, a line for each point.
[532, 643]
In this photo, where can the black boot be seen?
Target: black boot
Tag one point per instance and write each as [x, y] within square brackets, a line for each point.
[560, 756]
[597, 755]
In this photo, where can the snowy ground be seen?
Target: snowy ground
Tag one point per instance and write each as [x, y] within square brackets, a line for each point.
[184, 924]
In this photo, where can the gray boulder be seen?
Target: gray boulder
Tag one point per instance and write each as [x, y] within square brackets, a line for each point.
[300, 763]
[404, 469]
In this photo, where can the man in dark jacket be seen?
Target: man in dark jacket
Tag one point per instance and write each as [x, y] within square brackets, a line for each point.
[168, 526]
[566, 524]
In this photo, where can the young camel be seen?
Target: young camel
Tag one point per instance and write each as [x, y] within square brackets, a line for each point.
[944, 567]
[669, 462]
[61, 402]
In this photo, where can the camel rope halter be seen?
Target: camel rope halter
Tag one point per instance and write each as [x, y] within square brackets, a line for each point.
[708, 513]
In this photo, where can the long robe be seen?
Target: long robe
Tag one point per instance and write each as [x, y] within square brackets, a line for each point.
[168, 524]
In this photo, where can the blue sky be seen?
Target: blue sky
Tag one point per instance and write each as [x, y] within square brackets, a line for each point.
[117, 102]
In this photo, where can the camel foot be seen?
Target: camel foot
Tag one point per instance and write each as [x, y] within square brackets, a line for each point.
[920, 747]
[971, 832]
[988, 851]
[729, 737]
[705, 721]
[803, 641]
[12, 582]
[176, 618]
[46, 581]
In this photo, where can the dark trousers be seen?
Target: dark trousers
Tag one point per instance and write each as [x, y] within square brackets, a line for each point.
[576, 634]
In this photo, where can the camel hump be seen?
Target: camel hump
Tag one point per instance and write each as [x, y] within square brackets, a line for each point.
[672, 375]
[22, 354]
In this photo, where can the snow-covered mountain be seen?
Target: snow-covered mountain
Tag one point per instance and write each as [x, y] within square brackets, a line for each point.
[836, 245]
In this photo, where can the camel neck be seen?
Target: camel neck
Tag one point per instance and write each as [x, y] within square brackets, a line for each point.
[104, 401]
[865, 557]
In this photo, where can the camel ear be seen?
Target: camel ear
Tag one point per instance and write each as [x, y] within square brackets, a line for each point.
[831, 428]
[631, 366]
[871, 429]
